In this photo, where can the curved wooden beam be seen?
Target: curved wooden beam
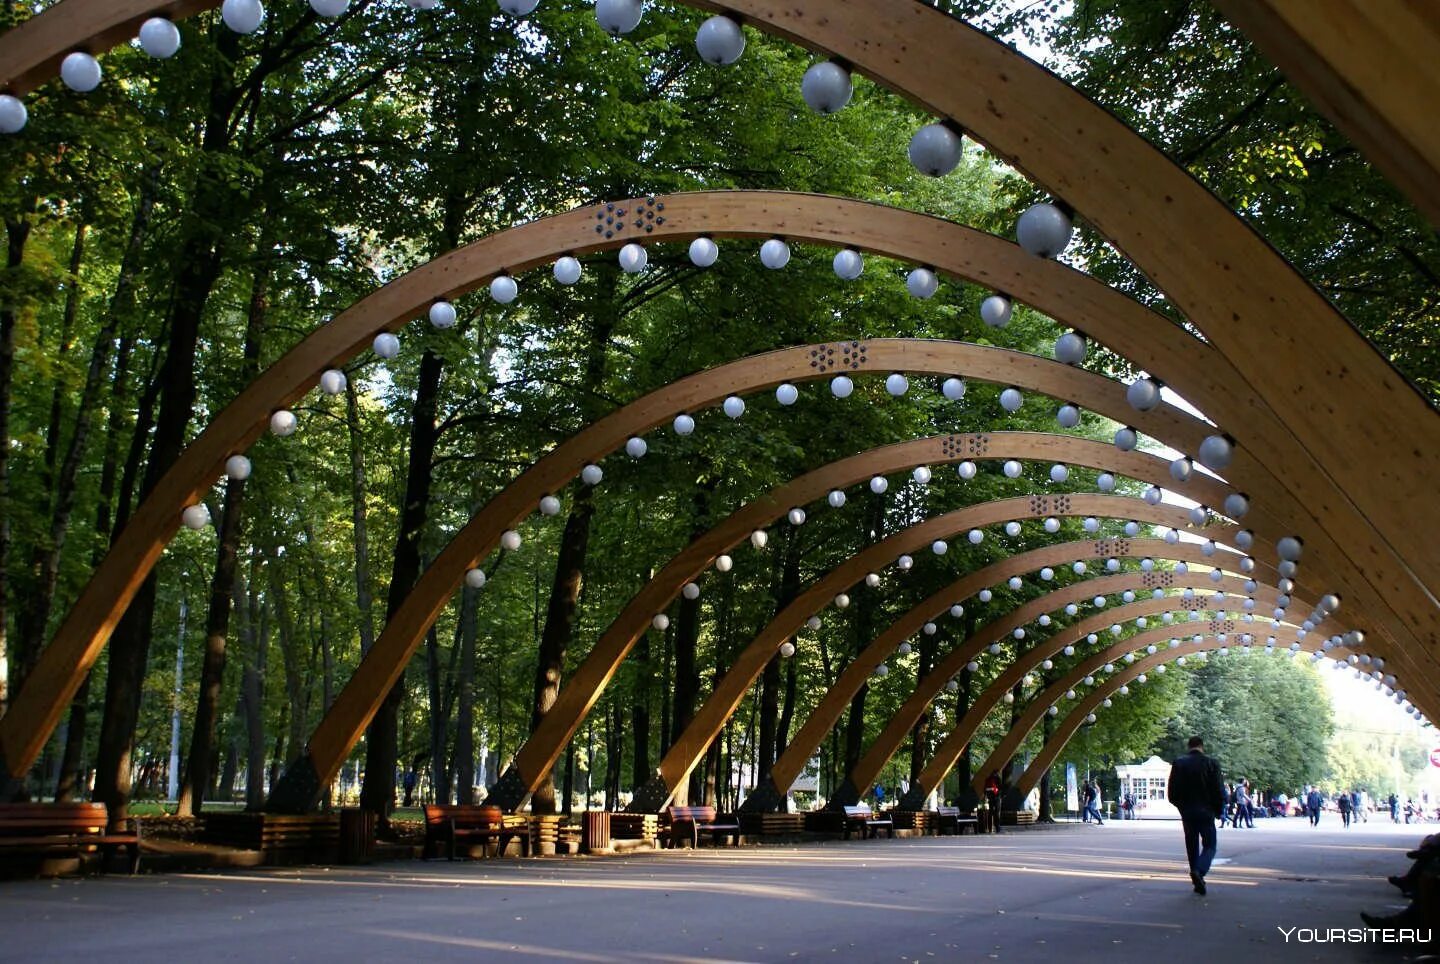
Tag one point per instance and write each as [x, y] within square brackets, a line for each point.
[949, 750]
[1368, 65]
[1073, 720]
[1315, 373]
[537, 756]
[691, 744]
[1089, 665]
[890, 740]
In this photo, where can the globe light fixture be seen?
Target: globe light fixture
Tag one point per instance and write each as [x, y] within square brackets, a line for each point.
[848, 264]
[242, 16]
[995, 311]
[683, 424]
[238, 468]
[283, 423]
[1059, 473]
[475, 578]
[922, 283]
[549, 506]
[661, 622]
[13, 114]
[1105, 481]
[953, 389]
[636, 447]
[842, 601]
[1011, 400]
[567, 270]
[775, 254]
[617, 17]
[878, 484]
[1012, 469]
[796, 516]
[704, 252]
[1070, 348]
[734, 406]
[159, 38]
[760, 538]
[333, 382]
[826, 87]
[1237, 504]
[386, 345]
[1126, 439]
[691, 591]
[935, 150]
[724, 563]
[976, 536]
[195, 516]
[1216, 451]
[897, 384]
[841, 386]
[836, 498]
[966, 470]
[720, 41]
[786, 394]
[787, 649]
[1143, 394]
[1044, 230]
[633, 258]
[510, 540]
[591, 475]
[1068, 415]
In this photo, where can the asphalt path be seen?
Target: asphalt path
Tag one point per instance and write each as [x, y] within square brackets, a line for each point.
[1116, 893]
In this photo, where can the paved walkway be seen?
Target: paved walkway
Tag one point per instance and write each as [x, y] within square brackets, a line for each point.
[1116, 893]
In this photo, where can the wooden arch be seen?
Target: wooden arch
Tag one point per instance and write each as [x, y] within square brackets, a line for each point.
[1090, 664]
[690, 745]
[827, 714]
[1053, 288]
[1298, 359]
[1073, 720]
[537, 756]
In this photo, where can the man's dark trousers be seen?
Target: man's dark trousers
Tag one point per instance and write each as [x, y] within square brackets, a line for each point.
[1199, 825]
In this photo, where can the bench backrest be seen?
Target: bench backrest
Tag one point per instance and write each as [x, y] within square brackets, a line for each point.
[859, 812]
[32, 819]
[464, 815]
[948, 811]
[697, 814]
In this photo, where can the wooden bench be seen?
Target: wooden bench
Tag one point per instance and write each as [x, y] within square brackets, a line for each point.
[863, 819]
[73, 828]
[281, 838]
[453, 826]
[688, 823]
[949, 820]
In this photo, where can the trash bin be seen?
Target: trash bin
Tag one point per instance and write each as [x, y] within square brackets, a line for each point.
[357, 835]
[595, 832]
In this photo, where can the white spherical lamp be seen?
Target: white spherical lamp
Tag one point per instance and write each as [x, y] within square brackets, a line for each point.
[1105, 481]
[720, 41]
[283, 423]
[995, 311]
[159, 38]
[796, 516]
[13, 114]
[775, 254]
[1181, 469]
[1237, 505]
[836, 498]
[661, 622]
[787, 649]
[922, 474]
[724, 563]
[618, 17]
[242, 16]
[1044, 230]
[510, 540]
[683, 424]
[841, 386]
[953, 389]
[760, 538]
[1011, 399]
[1070, 348]
[879, 484]
[333, 381]
[976, 536]
[475, 578]
[935, 150]
[734, 406]
[966, 470]
[1012, 469]
[386, 345]
[80, 72]
[1143, 394]
[567, 270]
[691, 591]
[1068, 415]
[633, 258]
[195, 516]
[826, 87]
[591, 475]
[897, 384]
[238, 468]
[636, 447]
[922, 283]
[848, 264]
[704, 252]
[549, 506]
[1216, 451]
[787, 394]
[442, 313]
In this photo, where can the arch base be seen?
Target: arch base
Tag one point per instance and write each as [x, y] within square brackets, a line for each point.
[653, 796]
[299, 788]
[766, 798]
[509, 793]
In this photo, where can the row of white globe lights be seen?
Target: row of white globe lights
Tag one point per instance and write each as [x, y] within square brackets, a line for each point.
[935, 149]
[1044, 229]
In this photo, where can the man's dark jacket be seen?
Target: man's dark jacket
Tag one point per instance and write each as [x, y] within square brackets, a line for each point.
[1195, 783]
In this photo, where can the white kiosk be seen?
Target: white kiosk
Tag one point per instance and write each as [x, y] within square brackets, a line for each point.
[1148, 782]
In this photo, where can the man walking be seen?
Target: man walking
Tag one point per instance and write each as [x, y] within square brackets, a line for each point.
[1195, 792]
[1313, 802]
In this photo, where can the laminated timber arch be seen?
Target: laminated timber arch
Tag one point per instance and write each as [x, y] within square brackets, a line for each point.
[537, 756]
[1074, 675]
[868, 768]
[691, 744]
[1049, 286]
[1072, 721]
[1299, 359]
[1053, 288]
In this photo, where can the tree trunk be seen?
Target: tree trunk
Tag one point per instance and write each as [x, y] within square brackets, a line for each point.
[439, 716]
[377, 794]
[786, 587]
[364, 599]
[640, 713]
[920, 733]
[465, 698]
[198, 267]
[257, 632]
[560, 626]
[17, 233]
